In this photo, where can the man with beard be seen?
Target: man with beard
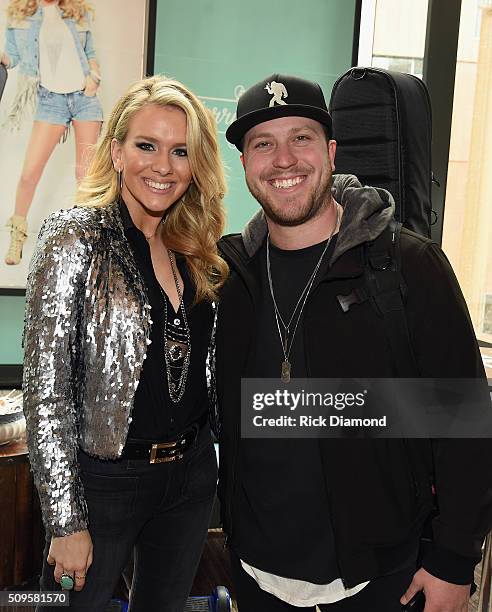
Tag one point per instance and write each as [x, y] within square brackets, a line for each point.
[335, 522]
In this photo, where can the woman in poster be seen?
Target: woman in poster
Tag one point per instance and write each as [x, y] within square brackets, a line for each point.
[118, 369]
[52, 43]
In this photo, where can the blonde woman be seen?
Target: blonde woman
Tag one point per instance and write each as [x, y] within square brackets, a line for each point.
[52, 43]
[117, 339]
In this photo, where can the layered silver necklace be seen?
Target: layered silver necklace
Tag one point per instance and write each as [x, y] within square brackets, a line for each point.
[284, 330]
[177, 343]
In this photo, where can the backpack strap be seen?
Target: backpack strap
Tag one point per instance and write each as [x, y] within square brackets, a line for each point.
[385, 288]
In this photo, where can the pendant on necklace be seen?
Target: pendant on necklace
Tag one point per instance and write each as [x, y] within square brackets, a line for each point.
[285, 374]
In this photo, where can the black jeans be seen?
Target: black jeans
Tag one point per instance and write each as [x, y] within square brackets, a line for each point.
[159, 511]
[380, 595]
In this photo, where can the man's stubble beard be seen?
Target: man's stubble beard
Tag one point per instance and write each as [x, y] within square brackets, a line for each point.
[316, 201]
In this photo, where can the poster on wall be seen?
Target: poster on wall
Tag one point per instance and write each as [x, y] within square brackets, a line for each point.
[67, 61]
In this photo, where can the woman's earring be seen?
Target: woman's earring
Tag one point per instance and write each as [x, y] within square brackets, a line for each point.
[120, 179]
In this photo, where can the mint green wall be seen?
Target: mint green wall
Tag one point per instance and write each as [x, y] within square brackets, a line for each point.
[218, 46]
[11, 323]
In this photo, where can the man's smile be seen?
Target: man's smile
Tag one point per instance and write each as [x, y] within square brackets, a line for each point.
[286, 183]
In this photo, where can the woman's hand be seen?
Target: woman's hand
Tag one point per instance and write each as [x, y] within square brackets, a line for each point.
[71, 554]
[4, 59]
[91, 86]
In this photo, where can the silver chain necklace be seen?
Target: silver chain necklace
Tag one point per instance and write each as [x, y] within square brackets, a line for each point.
[287, 340]
[177, 345]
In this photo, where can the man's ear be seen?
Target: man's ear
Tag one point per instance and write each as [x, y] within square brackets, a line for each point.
[241, 157]
[332, 149]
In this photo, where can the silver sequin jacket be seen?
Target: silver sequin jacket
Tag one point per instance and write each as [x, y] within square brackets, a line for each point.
[86, 331]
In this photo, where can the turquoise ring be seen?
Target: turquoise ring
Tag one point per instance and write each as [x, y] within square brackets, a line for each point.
[66, 582]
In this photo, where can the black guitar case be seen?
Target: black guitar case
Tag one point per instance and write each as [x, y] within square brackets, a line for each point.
[382, 122]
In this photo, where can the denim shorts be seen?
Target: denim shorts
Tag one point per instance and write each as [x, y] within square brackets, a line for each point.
[61, 109]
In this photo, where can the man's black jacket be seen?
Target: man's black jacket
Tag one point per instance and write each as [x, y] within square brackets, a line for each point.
[380, 491]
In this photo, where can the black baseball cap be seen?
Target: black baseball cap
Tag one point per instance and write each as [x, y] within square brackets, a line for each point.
[279, 95]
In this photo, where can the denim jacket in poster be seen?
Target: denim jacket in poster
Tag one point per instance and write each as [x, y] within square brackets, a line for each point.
[22, 42]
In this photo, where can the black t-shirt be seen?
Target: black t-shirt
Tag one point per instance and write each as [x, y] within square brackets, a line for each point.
[284, 517]
[154, 415]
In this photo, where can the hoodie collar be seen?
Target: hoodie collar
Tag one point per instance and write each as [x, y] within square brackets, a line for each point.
[366, 213]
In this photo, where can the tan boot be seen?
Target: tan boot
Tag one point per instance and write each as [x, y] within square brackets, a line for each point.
[18, 235]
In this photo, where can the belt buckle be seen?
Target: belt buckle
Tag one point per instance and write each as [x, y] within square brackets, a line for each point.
[156, 447]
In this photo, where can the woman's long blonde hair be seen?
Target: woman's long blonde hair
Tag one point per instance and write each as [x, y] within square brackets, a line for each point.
[196, 221]
[71, 9]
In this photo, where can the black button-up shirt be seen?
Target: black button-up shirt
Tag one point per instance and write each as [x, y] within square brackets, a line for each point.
[155, 417]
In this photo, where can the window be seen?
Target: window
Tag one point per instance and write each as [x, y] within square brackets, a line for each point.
[392, 35]
[411, 65]
[467, 231]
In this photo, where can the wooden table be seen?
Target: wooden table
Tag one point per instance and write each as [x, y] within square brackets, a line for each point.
[21, 530]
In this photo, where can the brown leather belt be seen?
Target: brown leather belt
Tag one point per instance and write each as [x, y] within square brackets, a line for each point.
[162, 452]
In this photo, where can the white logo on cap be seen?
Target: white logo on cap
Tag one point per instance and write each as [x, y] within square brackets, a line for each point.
[278, 91]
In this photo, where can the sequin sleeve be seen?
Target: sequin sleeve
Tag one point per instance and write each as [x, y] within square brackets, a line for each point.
[55, 290]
